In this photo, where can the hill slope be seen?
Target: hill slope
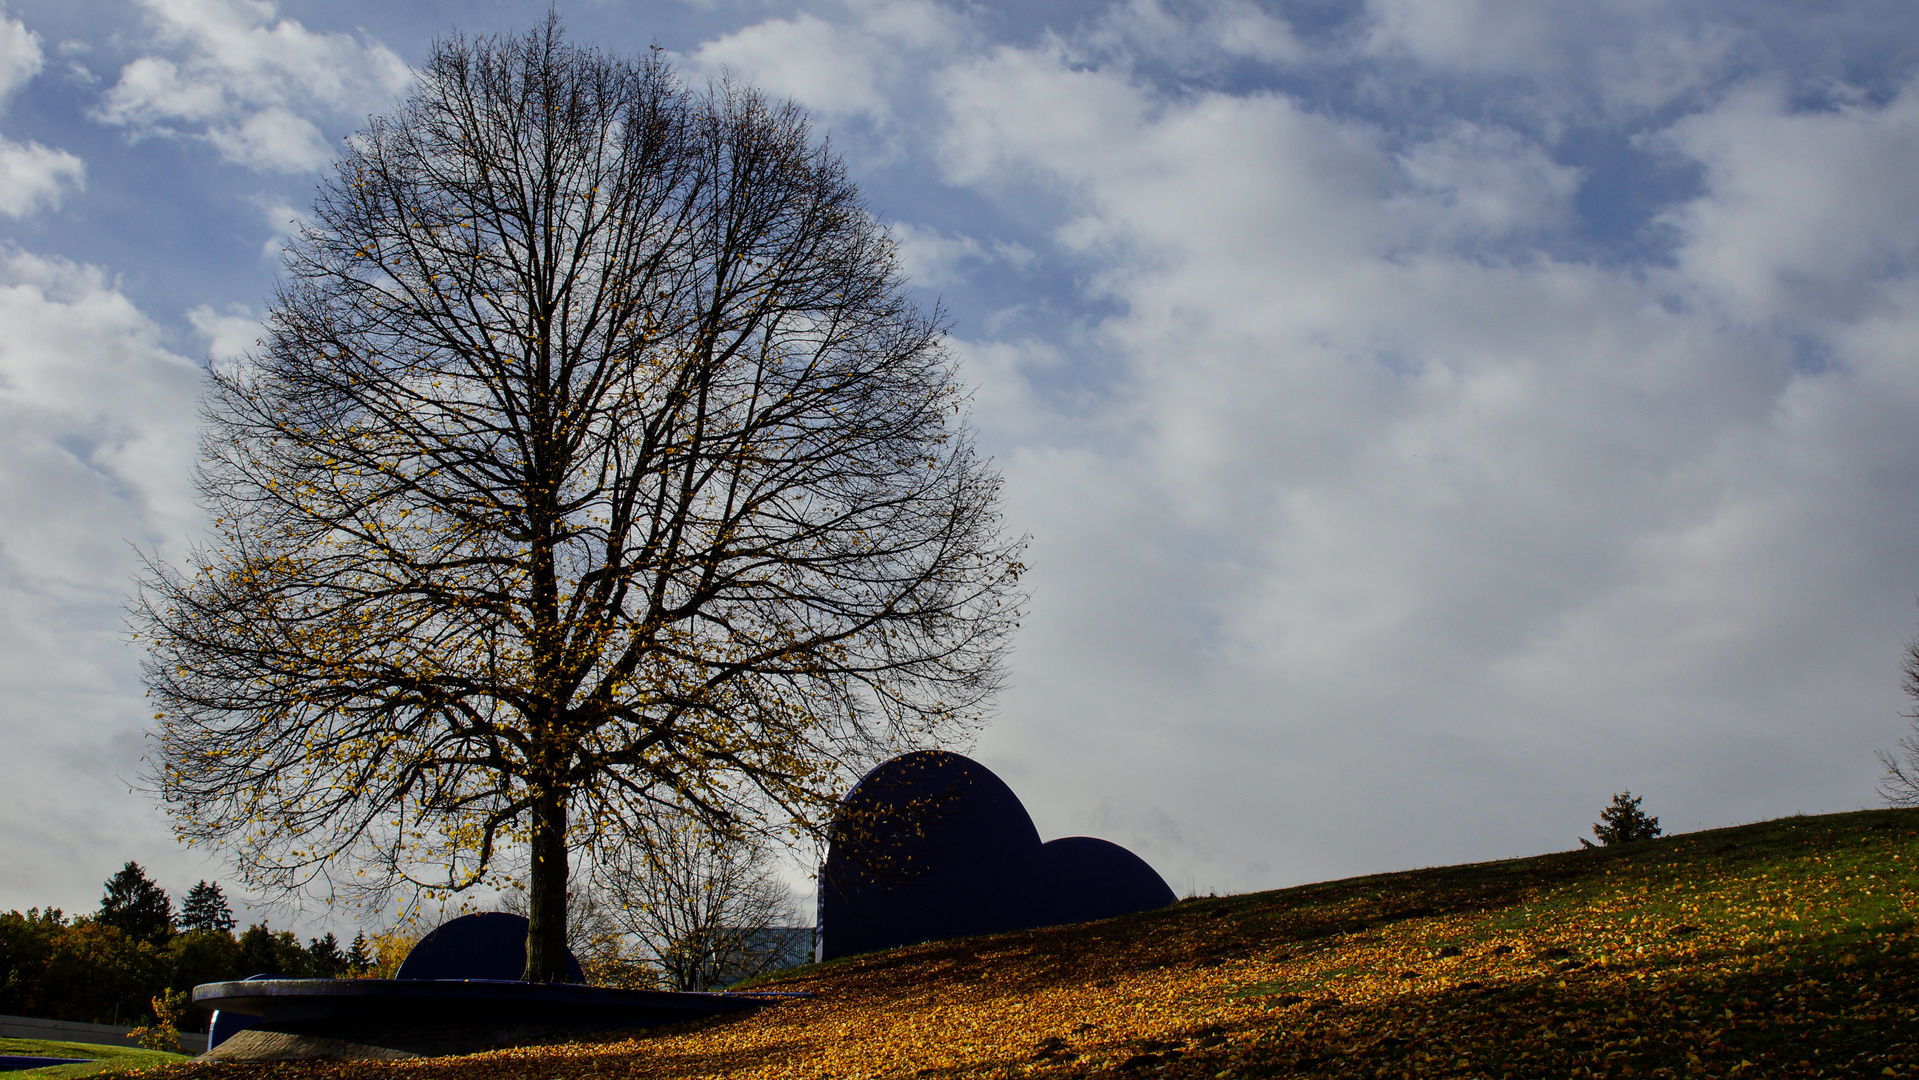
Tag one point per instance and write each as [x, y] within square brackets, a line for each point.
[1785, 948]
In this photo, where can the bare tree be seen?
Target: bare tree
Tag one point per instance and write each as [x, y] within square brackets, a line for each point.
[594, 461]
[705, 905]
[1900, 784]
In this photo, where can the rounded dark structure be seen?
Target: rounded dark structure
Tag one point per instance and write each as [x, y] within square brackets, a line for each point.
[491, 945]
[458, 991]
[307, 1019]
[931, 845]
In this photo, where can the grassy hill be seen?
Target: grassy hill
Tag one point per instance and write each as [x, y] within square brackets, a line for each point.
[1785, 948]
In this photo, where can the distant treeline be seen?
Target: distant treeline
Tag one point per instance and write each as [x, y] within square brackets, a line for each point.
[107, 967]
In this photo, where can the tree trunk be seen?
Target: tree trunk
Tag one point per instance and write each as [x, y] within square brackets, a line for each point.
[546, 892]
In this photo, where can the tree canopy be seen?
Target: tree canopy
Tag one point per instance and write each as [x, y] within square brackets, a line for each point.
[595, 464]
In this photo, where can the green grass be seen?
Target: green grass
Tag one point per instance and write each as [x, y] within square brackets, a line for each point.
[106, 1059]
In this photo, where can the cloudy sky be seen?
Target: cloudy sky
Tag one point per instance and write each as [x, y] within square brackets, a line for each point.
[1430, 416]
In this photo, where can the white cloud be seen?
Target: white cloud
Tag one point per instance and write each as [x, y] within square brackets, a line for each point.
[34, 176]
[831, 69]
[1560, 61]
[97, 422]
[1805, 211]
[1445, 524]
[1205, 35]
[228, 336]
[20, 56]
[1004, 407]
[1657, 62]
[932, 258]
[284, 222]
[253, 85]
[91, 391]
[1474, 35]
[1491, 183]
[275, 137]
[852, 66]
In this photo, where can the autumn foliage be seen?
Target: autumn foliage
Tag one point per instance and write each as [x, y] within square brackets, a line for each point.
[79, 968]
[1782, 949]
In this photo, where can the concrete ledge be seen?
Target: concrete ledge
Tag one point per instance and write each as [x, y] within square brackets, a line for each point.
[359, 1040]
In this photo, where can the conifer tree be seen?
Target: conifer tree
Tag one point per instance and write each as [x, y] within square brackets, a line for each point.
[1623, 823]
[328, 961]
[358, 956]
[264, 951]
[206, 909]
[136, 906]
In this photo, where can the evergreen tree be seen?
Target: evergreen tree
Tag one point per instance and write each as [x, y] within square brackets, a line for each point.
[358, 957]
[328, 961]
[136, 906]
[265, 952]
[206, 909]
[1623, 823]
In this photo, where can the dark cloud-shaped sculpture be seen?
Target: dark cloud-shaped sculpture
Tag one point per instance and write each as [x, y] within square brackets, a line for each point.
[932, 845]
[490, 945]
[457, 992]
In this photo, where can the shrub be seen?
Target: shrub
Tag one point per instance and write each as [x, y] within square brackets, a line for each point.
[170, 1011]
